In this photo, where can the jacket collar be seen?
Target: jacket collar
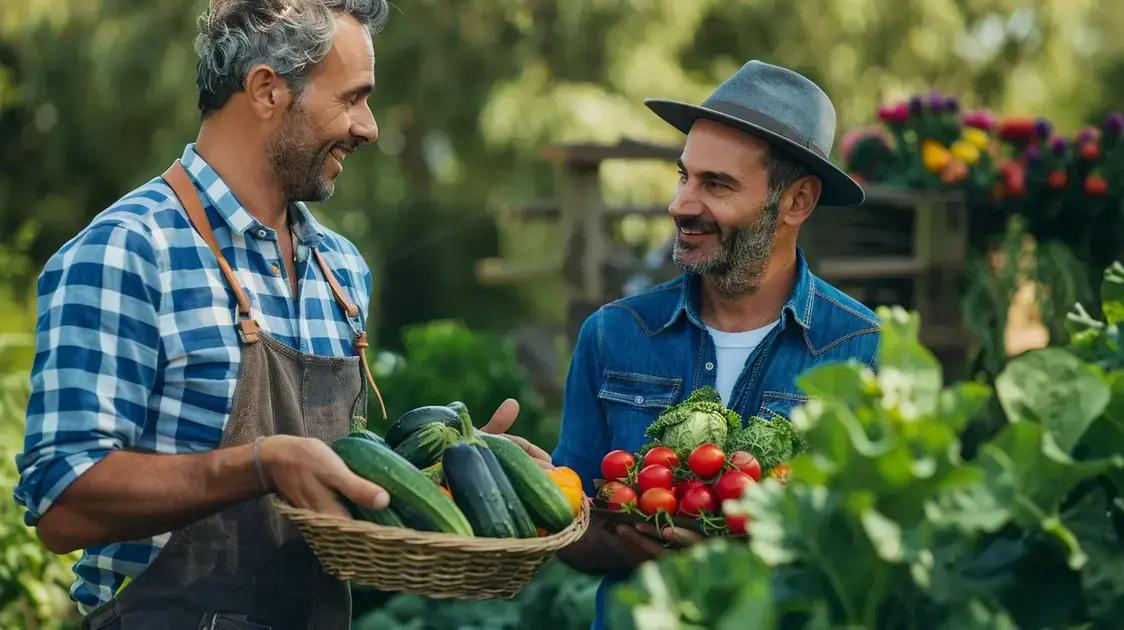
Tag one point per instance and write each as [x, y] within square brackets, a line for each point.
[798, 306]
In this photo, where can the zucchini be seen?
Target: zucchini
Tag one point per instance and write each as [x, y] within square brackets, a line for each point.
[386, 516]
[405, 483]
[413, 517]
[424, 447]
[524, 528]
[543, 499]
[359, 430]
[415, 419]
[475, 491]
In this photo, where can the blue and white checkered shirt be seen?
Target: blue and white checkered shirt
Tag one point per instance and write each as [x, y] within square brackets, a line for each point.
[136, 345]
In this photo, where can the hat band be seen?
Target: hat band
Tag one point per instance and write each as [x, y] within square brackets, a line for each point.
[764, 121]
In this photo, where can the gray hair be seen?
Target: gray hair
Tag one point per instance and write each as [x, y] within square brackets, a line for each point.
[783, 171]
[290, 36]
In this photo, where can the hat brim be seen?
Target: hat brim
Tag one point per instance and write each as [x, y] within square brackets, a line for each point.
[838, 188]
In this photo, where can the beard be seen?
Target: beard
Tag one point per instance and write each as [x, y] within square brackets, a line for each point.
[297, 158]
[737, 265]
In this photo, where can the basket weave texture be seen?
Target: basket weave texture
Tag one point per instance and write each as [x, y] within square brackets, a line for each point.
[433, 564]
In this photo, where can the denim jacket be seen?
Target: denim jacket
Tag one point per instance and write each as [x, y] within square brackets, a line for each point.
[639, 355]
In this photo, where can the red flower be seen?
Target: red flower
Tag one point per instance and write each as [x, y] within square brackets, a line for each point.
[1056, 179]
[1095, 185]
[1020, 129]
[1090, 151]
[894, 115]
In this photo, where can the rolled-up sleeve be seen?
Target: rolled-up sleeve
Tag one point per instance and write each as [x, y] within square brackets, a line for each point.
[97, 347]
[584, 438]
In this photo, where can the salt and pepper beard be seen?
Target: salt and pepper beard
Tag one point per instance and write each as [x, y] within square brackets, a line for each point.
[738, 265]
[297, 158]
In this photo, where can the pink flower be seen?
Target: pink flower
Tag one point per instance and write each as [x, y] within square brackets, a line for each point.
[894, 115]
[980, 119]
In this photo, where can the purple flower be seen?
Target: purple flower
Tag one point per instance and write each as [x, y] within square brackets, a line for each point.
[1084, 136]
[1032, 154]
[1042, 127]
[951, 104]
[936, 101]
[1114, 124]
[915, 105]
[1058, 146]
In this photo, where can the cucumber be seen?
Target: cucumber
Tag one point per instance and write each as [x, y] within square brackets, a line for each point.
[405, 483]
[524, 527]
[543, 499]
[413, 517]
[424, 447]
[475, 492]
[415, 419]
[386, 516]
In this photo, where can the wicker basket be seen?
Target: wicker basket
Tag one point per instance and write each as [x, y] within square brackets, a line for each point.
[426, 563]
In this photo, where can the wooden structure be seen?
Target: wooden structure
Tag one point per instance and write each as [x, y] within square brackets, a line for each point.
[900, 247]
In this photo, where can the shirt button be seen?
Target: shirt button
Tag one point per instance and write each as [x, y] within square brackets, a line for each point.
[639, 400]
[262, 234]
[275, 270]
[709, 366]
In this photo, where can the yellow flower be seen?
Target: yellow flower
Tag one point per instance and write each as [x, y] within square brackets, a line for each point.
[966, 151]
[976, 137]
[934, 156]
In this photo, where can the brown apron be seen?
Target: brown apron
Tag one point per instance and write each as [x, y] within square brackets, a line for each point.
[247, 566]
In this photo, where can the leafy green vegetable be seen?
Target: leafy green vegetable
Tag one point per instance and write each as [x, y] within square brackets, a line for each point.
[700, 419]
[772, 442]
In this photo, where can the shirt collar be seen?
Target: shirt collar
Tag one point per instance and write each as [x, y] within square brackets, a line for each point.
[232, 211]
[798, 305]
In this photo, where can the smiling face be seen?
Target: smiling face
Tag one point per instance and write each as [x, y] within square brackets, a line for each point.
[725, 216]
[329, 120]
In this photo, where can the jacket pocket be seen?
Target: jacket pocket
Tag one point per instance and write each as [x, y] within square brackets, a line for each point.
[779, 404]
[632, 401]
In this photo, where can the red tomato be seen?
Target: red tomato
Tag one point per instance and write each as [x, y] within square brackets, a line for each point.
[706, 461]
[732, 484]
[696, 501]
[622, 496]
[654, 476]
[658, 499]
[737, 523]
[682, 487]
[661, 455]
[746, 463]
[616, 465]
[608, 489]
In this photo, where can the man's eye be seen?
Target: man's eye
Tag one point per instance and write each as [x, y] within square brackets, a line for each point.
[682, 177]
[716, 186]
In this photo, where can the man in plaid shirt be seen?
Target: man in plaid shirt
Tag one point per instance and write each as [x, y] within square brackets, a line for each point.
[202, 339]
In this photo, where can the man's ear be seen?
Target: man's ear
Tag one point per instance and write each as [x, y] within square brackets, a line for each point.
[268, 92]
[800, 200]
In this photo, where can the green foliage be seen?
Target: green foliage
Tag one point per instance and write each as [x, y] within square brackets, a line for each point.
[772, 442]
[33, 581]
[446, 361]
[886, 525]
[558, 597]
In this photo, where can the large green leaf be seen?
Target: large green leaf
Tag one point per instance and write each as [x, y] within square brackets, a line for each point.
[720, 585]
[1055, 389]
[909, 375]
[1112, 293]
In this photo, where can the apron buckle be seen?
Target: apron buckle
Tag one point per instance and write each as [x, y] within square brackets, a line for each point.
[248, 330]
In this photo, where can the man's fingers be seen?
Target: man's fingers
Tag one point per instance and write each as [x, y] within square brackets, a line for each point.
[503, 418]
[681, 536]
[535, 452]
[361, 491]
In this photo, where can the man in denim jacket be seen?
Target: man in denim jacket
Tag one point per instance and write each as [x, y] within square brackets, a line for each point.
[747, 317]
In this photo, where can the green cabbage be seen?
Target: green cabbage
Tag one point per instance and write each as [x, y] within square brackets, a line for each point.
[700, 419]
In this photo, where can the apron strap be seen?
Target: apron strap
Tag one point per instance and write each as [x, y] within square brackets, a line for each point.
[351, 310]
[178, 179]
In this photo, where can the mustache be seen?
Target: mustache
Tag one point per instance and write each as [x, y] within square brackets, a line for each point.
[697, 224]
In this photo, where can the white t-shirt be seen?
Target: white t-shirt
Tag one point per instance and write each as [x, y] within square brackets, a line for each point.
[731, 351]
